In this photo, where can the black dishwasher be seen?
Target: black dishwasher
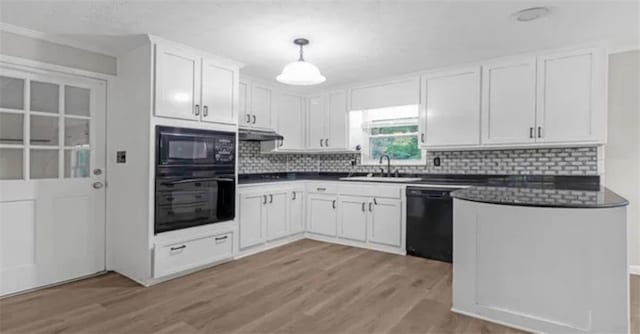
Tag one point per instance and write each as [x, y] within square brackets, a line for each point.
[430, 223]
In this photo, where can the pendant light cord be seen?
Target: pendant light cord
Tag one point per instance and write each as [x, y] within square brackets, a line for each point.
[301, 59]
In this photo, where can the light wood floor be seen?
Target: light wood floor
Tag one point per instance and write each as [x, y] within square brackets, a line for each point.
[304, 287]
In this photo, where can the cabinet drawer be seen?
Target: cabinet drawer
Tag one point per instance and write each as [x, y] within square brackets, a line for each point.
[370, 190]
[322, 188]
[190, 254]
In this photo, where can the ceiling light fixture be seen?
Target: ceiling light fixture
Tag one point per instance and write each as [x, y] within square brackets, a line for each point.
[301, 73]
[531, 14]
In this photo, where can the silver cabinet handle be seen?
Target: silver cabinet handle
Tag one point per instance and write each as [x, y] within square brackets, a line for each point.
[248, 118]
[321, 142]
[254, 119]
[531, 132]
[539, 132]
[196, 110]
[178, 248]
[222, 238]
[270, 198]
[264, 199]
[375, 201]
[422, 137]
[293, 197]
[370, 207]
[205, 111]
[326, 142]
[333, 204]
[321, 189]
[98, 185]
[362, 206]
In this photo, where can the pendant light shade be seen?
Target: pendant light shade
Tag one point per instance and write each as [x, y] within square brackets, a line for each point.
[301, 73]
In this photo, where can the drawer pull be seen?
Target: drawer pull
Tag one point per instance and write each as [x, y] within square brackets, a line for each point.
[222, 238]
[178, 248]
[321, 189]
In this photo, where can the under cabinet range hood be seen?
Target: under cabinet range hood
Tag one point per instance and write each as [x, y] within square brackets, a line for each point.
[258, 135]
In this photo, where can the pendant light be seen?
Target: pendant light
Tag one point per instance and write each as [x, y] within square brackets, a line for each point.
[301, 73]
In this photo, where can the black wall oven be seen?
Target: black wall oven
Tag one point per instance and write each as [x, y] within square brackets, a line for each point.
[195, 177]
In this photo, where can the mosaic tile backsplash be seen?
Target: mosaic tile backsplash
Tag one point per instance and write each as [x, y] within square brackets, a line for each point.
[535, 161]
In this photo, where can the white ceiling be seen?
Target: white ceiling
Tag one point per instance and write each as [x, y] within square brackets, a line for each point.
[350, 41]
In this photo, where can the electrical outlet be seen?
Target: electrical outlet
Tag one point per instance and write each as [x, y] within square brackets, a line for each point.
[436, 161]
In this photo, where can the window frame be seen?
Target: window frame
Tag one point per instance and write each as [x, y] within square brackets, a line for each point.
[365, 156]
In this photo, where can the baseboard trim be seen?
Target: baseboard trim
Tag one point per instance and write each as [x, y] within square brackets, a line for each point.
[634, 270]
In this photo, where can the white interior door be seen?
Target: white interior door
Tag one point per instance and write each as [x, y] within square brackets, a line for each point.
[52, 196]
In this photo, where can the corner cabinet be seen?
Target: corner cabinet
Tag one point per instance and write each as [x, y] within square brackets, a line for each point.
[327, 120]
[452, 108]
[194, 86]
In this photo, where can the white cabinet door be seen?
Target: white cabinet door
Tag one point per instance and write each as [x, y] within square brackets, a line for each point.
[218, 93]
[290, 109]
[452, 104]
[337, 134]
[276, 215]
[296, 211]
[386, 222]
[352, 211]
[177, 83]
[252, 214]
[261, 99]
[244, 102]
[571, 97]
[322, 214]
[316, 116]
[509, 101]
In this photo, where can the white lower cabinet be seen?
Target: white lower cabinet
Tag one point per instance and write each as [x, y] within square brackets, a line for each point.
[190, 254]
[352, 211]
[296, 210]
[276, 215]
[322, 215]
[252, 214]
[386, 222]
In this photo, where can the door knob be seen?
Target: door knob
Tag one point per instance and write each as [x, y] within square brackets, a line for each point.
[98, 185]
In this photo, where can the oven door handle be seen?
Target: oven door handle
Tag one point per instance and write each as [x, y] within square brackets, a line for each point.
[221, 179]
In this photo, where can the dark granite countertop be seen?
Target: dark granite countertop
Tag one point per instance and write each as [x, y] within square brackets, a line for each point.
[533, 195]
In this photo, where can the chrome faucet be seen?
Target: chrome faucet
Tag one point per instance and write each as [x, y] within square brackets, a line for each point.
[388, 163]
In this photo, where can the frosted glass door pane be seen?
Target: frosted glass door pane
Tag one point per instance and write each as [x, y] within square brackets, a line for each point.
[44, 97]
[10, 164]
[11, 129]
[76, 163]
[44, 130]
[44, 164]
[11, 93]
[76, 132]
[77, 101]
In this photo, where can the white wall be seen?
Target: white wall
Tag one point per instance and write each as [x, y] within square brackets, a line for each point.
[622, 162]
[22, 46]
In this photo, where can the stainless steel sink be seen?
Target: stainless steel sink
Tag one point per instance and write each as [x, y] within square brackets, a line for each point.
[381, 179]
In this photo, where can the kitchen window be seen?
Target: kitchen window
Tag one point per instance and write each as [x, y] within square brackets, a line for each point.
[393, 131]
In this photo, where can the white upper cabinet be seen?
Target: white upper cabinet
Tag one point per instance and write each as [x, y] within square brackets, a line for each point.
[327, 121]
[452, 107]
[177, 83]
[290, 120]
[317, 118]
[509, 101]
[193, 86]
[389, 94]
[337, 132]
[243, 104]
[261, 99]
[218, 92]
[571, 97]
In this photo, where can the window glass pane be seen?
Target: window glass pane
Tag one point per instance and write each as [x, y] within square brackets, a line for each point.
[76, 132]
[388, 130]
[11, 128]
[11, 163]
[398, 148]
[11, 93]
[44, 130]
[44, 97]
[77, 101]
[76, 163]
[44, 164]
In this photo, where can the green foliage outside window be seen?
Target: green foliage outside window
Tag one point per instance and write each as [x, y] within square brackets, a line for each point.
[397, 147]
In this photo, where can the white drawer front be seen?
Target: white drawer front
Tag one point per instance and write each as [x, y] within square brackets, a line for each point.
[370, 190]
[322, 187]
[173, 258]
